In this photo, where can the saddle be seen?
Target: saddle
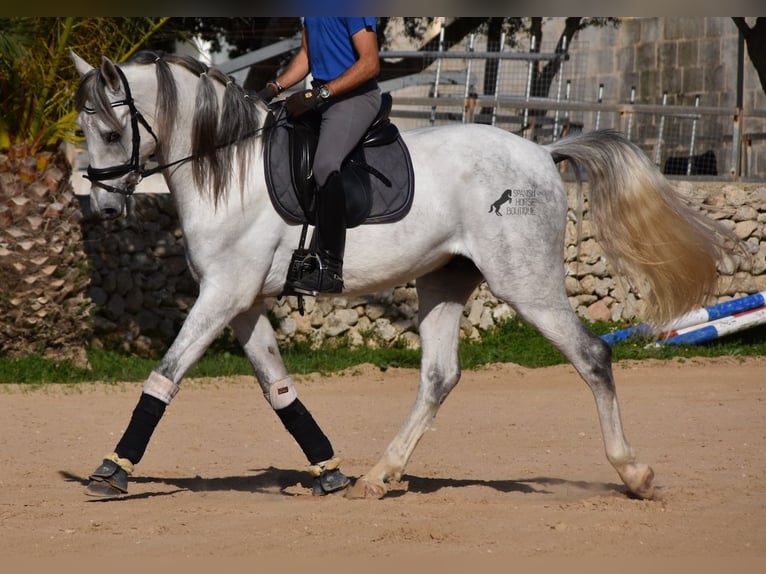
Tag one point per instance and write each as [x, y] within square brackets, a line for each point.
[377, 175]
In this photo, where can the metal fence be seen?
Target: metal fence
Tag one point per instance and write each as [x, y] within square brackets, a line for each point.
[690, 139]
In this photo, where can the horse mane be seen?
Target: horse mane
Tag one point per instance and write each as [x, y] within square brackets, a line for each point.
[218, 128]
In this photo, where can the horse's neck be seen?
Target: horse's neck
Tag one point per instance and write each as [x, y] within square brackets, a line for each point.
[143, 87]
[178, 144]
[192, 201]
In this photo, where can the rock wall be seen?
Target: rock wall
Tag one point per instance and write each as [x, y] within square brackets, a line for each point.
[139, 281]
[142, 289]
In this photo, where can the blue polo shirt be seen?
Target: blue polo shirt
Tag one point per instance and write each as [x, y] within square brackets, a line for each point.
[331, 51]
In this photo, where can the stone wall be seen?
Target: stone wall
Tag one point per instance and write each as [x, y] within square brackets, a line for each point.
[139, 280]
[142, 289]
[685, 56]
[682, 57]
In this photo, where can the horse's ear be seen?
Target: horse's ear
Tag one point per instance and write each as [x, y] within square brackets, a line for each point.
[110, 74]
[80, 65]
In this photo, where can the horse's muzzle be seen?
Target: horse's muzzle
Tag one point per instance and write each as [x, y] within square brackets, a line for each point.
[106, 204]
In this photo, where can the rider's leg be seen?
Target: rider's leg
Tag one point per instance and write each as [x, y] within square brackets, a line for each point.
[327, 275]
[344, 123]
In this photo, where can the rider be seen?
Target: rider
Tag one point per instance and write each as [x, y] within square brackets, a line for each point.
[342, 56]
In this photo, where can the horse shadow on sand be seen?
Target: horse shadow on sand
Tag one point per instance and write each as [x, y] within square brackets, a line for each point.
[288, 482]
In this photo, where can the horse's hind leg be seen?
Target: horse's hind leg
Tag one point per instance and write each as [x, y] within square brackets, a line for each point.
[255, 333]
[592, 358]
[442, 295]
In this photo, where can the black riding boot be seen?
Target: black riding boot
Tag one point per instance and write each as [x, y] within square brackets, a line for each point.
[325, 272]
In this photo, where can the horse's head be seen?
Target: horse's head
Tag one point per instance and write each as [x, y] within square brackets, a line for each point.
[112, 126]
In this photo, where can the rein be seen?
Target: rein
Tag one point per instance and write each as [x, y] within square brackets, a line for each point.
[97, 175]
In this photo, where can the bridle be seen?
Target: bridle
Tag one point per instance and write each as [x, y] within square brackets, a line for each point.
[97, 175]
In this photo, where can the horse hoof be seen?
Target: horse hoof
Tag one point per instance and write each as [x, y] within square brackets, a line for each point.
[646, 487]
[102, 489]
[639, 478]
[364, 489]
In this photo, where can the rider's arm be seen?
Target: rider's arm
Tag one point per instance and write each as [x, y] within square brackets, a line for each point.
[297, 69]
[365, 68]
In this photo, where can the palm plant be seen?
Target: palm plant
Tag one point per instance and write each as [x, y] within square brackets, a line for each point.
[37, 79]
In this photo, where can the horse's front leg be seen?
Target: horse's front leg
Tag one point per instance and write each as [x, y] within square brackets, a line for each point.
[210, 314]
[254, 331]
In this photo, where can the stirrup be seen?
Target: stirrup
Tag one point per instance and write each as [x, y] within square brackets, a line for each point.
[309, 275]
[303, 262]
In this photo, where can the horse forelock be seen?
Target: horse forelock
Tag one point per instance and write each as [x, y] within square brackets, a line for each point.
[92, 98]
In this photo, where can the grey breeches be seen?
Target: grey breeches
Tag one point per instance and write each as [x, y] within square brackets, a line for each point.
[344, 123]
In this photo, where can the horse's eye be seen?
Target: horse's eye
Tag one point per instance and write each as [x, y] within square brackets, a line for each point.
[111, 137]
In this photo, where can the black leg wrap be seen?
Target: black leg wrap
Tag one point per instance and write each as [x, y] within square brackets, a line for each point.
[306, 432]
[146, 415]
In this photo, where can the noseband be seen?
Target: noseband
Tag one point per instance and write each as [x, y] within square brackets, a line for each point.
[97, 175]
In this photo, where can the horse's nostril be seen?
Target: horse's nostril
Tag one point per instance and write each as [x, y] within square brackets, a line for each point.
[110, 213]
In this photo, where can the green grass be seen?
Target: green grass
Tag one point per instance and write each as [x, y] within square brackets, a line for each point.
[510, 342]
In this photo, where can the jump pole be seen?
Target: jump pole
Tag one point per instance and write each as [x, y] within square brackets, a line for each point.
[710, 330]
[696, 317]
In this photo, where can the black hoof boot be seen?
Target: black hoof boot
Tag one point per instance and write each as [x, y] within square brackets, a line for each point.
[110, 478]
[328, 478]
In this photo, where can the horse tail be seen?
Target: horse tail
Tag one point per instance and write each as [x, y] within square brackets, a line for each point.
[667, 249]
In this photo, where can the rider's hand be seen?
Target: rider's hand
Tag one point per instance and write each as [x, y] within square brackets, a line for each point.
[301, 102]
[269, 92]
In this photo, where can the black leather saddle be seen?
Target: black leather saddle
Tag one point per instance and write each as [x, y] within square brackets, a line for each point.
[377, 176]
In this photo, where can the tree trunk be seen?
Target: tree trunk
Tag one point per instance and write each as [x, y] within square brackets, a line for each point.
[755, 39]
